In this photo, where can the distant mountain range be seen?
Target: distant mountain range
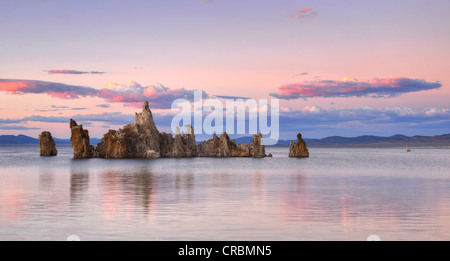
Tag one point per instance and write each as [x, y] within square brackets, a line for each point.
[334, 141]
[369, 141]
[381, 142]
[26, 140]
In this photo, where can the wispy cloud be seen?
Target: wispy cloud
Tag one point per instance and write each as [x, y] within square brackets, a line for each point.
[231, 97]
[59, 108]
[16, 127]
[303, 14]
[72, 72]
[300, 74]
[46, 110]
[378, 87]
[114, 118]
[57, 90]
[103, 106]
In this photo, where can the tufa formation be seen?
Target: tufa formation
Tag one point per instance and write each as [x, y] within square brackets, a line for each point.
[223, 147]
[81, 146]
[299, 149]
[142, 139]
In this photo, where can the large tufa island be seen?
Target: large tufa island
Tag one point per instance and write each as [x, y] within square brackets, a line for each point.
[142, 139]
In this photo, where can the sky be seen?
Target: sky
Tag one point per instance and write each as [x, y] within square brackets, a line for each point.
[344, 68]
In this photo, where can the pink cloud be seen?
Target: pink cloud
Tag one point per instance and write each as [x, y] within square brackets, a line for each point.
[133, 94]
[57, 90]
[313, 109]
[301, 74]
[302, 14]
[65, 95]
[378, 87]
[158, 95]
[305, 10]
[15, 87]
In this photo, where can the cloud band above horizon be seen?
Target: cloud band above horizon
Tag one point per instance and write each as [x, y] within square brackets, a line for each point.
[131, 93]
[375, 88]
[311, 120]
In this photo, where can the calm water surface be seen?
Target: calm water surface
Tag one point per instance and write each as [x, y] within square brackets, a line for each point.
[336, 194]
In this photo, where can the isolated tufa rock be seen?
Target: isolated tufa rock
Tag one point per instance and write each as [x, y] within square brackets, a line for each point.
[299, 149]
[47, 145]
[82, 149]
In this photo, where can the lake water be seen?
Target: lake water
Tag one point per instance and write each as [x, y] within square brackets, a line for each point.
[336, 194]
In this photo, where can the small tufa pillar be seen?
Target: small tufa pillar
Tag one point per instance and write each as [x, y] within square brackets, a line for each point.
[47, 146]
[299, 149]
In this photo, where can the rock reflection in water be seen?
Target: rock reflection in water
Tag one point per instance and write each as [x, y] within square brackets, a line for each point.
[46, 178]
[79, 185]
